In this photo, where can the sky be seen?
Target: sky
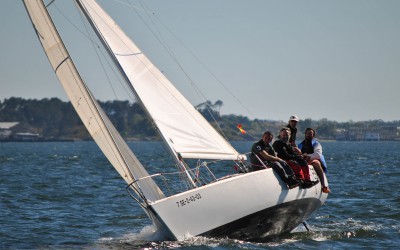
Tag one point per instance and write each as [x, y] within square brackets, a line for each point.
[338, 60]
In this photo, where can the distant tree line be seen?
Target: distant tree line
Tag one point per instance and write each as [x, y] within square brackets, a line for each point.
[55, 119]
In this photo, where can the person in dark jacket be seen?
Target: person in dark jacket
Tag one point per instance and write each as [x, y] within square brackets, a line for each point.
[297, 162]
[263, 156]
[292, 125]
[313, 149]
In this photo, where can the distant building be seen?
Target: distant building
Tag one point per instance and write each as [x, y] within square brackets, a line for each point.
[370, 136]
[5, 129]
[26, 137]
[6, 133]
[381, 133]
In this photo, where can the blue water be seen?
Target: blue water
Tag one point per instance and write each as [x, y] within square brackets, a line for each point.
[67, 196]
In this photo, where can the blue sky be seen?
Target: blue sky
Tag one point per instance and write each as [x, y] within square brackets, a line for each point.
[338, 60]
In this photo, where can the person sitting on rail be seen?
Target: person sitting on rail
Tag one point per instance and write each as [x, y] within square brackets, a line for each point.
[263, 156]
[313, 149]
[297, 162]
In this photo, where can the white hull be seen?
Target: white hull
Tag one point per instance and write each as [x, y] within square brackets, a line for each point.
[249, 206]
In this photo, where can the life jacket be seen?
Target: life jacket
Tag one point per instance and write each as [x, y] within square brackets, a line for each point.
[310, 150]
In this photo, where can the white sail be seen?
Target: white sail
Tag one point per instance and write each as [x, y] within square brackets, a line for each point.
[183, 128]
[91, 114]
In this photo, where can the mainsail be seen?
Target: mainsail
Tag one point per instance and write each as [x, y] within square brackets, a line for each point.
[182, 127]
[88, 109]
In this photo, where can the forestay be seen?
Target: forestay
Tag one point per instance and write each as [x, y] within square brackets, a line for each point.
[91, 114]
[182, 127]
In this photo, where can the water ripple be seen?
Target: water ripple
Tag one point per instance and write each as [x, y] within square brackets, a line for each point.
[67, 196]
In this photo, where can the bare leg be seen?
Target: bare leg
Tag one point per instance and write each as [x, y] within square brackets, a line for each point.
[318, 168]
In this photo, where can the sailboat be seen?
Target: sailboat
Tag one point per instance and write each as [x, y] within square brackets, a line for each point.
[244, 205]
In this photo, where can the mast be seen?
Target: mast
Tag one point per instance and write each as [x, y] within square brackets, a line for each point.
[112, 55]
[88, 109]
[182, 127]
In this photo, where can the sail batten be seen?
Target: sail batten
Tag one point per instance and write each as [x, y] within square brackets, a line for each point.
[180, 124]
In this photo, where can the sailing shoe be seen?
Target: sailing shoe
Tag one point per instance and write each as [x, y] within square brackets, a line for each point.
[315, 182]
[307, 184]
[326, 190]
[292, 183]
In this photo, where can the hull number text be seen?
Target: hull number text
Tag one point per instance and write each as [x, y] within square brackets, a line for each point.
[188, 200]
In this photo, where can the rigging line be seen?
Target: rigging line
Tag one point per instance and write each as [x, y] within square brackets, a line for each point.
[80, 84]
[50, 3]
[70, 22]
[123, 74]
[170, 52]
[167, 48]
[205, 66]
[98, 109]
[95, 44]
[127, 80]
[130, 5]
[217, 123]
[211, 73]
[97, 54]
[129, 93]
[130, 54]
[111, 66]
[160, 39]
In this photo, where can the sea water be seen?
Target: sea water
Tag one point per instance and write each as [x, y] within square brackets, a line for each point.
[65, 195]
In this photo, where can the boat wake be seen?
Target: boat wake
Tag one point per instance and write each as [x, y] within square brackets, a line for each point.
[148, 238]
[143, 239]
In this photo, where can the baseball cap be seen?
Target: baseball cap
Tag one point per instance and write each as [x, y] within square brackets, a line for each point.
[294, 118]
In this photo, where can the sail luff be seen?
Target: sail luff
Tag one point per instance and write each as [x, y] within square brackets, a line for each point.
[182, 127]
[114, 58]
[88, 109]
